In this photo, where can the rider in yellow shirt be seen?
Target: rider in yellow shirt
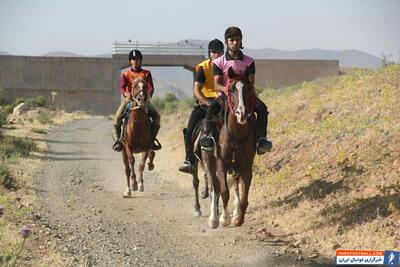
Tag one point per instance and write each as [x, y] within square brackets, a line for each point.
[205, 95]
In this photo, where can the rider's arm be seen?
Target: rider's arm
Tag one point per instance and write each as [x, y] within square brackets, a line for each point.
[198, 94]
[252, 75]
[122, 85]
[150, 85]
[218, 76]
[199, 80]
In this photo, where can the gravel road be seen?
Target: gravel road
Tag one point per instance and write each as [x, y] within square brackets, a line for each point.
[81, 186]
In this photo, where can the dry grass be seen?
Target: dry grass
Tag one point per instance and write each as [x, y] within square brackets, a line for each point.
[20, 203]
[333, 177]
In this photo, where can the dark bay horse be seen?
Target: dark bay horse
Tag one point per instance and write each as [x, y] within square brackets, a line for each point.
[235, 152]
[137, 138]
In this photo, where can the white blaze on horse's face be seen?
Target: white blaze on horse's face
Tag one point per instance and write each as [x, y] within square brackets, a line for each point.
[240, 111]
[140, 97]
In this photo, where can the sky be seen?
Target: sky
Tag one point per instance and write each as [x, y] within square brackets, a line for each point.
[89, 27]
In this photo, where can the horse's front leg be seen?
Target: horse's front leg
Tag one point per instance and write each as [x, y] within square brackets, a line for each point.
[207, 185]
[225, 218]
[210, 168]
[134, 185]
[150, 165]
[141, 169]
[244, 200]
[127, 192]
[237, 212]
[196, 182]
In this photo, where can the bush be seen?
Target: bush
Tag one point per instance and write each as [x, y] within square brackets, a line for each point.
[43, 119]
[3, 118]
[15, 147]
[6, 178]
[39, 101]
[158, 103]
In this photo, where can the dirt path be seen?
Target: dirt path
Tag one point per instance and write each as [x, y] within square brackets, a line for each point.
[81, 186]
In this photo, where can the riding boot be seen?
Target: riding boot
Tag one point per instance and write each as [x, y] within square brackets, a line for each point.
[188, 164]
[263, 144]
[118, 144]
[154, 131]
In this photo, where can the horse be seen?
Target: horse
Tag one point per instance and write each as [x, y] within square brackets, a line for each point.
[137, 138]
[234, 153]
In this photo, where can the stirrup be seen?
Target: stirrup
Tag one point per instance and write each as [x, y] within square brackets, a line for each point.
[187, 167]
[156, 145]
[117, 146]
[207, 143]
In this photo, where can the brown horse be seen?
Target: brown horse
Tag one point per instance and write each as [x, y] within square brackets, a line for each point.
[137, 138]
[235, 153]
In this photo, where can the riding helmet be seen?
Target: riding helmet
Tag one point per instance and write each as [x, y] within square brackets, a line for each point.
[135, 54]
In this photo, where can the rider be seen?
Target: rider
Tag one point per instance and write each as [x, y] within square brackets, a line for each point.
[205, 95]
[239, 62]
[127, 78]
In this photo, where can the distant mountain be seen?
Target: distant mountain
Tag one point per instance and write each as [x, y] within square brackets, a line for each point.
[109, 55]
[347, 58]
[4, 53]
[61, 54]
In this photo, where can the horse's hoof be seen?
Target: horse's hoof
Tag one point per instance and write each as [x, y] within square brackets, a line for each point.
[127, 194]
[141, 187]
[225, 221]
[135, 187]
[204, 194]
[238, 221]
[213, 223]
[150, 166]
[197, 214]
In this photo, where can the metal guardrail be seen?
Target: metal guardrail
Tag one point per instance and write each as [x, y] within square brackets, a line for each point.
[160, 48]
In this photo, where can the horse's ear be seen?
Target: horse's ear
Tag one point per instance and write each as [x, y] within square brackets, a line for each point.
[231, 74]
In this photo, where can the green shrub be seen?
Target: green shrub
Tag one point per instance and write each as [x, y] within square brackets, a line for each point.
[15, 147]
[43, 119]
[6, 178]
[39, 101]
[158, 103]
[3, 118]
[8, 109]
[18, 101]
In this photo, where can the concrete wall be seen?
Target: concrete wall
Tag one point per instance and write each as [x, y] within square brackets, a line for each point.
[91, 84]
[80, 83]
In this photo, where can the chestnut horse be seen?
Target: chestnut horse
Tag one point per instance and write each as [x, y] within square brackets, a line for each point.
[235, 152]
[137, 138]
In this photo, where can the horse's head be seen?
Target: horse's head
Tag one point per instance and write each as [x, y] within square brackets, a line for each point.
[240, 96]
[139, 92]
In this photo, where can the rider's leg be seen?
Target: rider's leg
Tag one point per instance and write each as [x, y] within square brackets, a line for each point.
[207, 141]
[263, 145]
[155, 126]
[197, 115]
[117, 125]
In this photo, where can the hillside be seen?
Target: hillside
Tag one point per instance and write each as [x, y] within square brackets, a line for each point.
[333, 177]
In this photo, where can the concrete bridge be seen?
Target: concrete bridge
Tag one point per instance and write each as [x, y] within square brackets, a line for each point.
[91, 84]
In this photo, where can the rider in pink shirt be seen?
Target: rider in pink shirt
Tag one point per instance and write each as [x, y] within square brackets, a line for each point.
[234, 58]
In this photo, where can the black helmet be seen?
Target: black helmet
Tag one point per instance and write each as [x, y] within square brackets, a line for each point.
[232, 32]
[135, 53]
[216, 45]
